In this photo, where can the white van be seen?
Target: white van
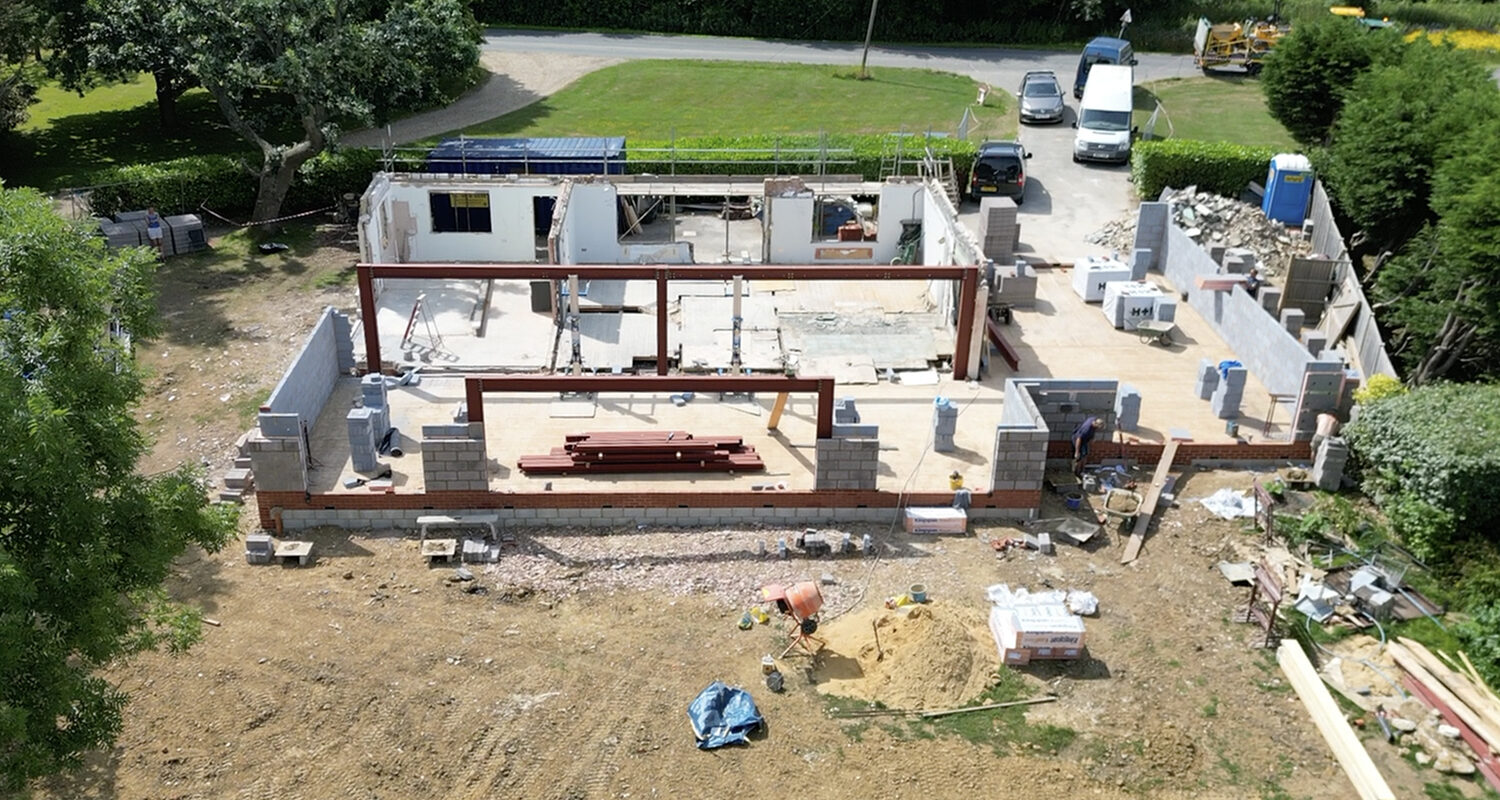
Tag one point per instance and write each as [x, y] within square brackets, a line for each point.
[1104, 115]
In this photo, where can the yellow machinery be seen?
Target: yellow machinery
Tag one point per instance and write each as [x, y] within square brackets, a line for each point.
[1235, 44]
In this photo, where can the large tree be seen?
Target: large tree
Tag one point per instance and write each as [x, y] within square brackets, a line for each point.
[1308, 74]
[311, 65]
[1399, 121]
[85, 541]
[20, 40]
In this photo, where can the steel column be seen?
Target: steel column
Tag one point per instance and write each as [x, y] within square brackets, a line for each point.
[967, 290]
[661, 325]
[365, 275]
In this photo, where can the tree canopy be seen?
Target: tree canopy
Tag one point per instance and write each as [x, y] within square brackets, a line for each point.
[1308, 74]
[85, 542]
[310, 66]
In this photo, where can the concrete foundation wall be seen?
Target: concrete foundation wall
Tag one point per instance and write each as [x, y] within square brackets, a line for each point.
[303, 389]
[847, 463]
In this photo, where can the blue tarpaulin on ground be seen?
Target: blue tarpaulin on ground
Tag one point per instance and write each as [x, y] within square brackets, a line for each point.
[723, 715]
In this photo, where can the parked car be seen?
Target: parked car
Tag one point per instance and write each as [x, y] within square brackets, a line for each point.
[999, 170]
[1041, 97]
[1101, 50]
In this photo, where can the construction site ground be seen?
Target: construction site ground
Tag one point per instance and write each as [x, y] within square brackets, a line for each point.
[369, 674]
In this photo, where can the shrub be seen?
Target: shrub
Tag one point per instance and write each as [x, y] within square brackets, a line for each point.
[1377, 388]
[1436, 446]
[184, 185]
[1218, 167]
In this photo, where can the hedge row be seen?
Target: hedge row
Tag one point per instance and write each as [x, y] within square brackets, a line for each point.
[223, 184]
[864, 155]
[182, 185]
[1217, 167]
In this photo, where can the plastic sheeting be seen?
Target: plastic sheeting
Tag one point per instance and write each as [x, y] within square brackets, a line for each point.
[723, 715]
[1229, 504]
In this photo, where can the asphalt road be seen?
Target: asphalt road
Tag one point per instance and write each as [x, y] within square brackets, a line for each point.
[1064, 202]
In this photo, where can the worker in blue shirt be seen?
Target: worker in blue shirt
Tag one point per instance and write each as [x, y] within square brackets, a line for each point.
[1083, 435]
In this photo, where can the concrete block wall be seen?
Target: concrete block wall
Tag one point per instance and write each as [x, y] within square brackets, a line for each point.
[1065, 404]
[277, 462]
[1019, 461]
[327, 353]
[1328, 465]
[1128, 408]
[1258, 340]
[847, 463]
[457, 463]
[1323, 392]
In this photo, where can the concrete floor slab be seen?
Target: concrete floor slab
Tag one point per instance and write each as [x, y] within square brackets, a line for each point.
[515, 336]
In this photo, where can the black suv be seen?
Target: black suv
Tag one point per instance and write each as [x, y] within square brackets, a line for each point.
[1000, 170]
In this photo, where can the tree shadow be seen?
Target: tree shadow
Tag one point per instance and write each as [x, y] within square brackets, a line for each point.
[96, 777]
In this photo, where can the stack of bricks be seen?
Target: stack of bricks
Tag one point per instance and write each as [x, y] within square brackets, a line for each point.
[944, 424]
[1128, 408]
[846, 421]
[1208, 379]
[1230, 392]
[1020, 459]
[999, 231]
[847, 463]
[454, 458]
[1328, 466]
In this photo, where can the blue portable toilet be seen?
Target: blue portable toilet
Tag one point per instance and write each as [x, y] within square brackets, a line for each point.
[1289, 185]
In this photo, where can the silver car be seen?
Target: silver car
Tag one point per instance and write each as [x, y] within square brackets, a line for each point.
[1041, 97]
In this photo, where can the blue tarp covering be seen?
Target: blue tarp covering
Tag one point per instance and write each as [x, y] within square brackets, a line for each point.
[723, 715]
[602, 155]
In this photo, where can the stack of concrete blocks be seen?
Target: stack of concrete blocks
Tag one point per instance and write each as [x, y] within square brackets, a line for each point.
[362, 439]
[1237, 261]
[1269, 298]
[1128, 408]
[1151, 224]
[1208, 379]
[258, 548]
[1165, 310]
[944, 425]
[1292, 319]
[1328, 465]
[454, 458]
[1140, 260]
[277, 460]
[1315, 341]
[372, 391]
[999, 231]
[846, 421]
[847, 463]
[1020, 456]
[1015, 285]
[237, 481]
[1323, 391]
[1230, 393]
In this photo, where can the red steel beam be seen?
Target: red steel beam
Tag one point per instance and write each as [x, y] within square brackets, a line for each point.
[661, 326]
[476, 385]
[967, 290]
[1484, 761]
[826, 272]
[366, 277]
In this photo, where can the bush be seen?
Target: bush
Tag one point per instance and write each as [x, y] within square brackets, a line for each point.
[184, 185]
[1218, 167]
[1436, 446]
[768, 155]
[1378, 388]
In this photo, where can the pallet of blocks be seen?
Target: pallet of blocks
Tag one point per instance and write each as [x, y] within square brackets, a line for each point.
[644, 451]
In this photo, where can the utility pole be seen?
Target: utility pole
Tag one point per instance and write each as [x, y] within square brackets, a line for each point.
[869, 31]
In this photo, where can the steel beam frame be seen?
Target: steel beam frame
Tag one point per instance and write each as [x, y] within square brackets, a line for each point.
[967, 275]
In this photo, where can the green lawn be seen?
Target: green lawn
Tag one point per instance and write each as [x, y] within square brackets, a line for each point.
[1227, 109]
[654, 99]
[68, 136]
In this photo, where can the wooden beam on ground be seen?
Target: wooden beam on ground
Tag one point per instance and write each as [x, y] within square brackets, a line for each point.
[776, 409]
[1325, 713]
[1430, 695]
[1454, 689]
[1147, 511]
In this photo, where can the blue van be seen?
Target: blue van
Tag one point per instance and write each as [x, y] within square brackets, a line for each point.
[1101, 50]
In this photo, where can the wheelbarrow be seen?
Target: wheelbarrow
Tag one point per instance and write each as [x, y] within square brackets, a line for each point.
[1154, 330]
[1122, 505]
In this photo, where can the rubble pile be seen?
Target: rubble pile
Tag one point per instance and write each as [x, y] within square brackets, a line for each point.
[1214, 220]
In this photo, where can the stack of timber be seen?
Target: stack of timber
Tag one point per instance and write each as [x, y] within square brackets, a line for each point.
[644, 451]
[1461, 697]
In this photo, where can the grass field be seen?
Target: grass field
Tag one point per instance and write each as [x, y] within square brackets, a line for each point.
[655, 99]
[1218, 109]
[68, 136]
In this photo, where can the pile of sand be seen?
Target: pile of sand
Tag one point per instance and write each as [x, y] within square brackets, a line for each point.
[935, 656]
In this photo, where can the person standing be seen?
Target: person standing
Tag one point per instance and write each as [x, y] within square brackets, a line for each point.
[153, 230]
[1083, 435]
